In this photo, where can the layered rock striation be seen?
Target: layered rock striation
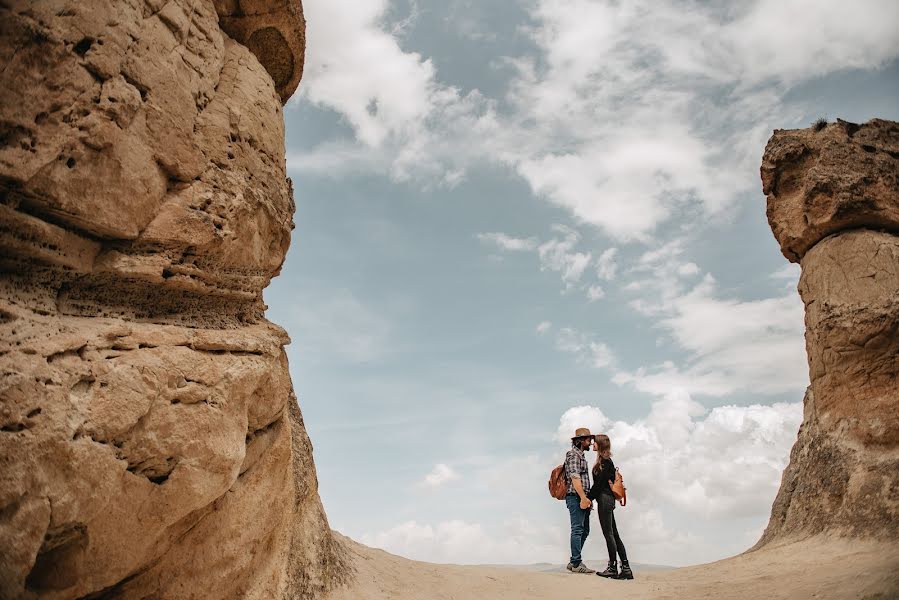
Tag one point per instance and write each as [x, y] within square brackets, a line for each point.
[833, 205]
[150, 441]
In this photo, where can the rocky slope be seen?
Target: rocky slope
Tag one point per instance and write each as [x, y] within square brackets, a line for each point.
[833, 205]
[150, 441]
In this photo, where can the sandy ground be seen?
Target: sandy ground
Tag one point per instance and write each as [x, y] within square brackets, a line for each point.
[820, 568]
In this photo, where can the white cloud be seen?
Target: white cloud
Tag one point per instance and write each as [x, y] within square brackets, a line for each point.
[506, 242]
[588, 351]
[624, 182]
[356, 68]
[440, 475]
[688, 470]
[731, 345]
[595, 292]
[516, 540]
[543, 327]
[392, 99]
[724, 463]
[606, 265]
[631, 113]
[558, 255]
[687, 269]
[801, 39]
[788, 275]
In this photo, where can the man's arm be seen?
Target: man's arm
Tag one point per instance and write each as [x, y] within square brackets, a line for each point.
[579, 488]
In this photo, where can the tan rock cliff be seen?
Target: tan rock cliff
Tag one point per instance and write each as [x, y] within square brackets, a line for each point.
[150, 441]
[833, 205]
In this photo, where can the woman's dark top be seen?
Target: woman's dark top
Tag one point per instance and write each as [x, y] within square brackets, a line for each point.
[601, 480]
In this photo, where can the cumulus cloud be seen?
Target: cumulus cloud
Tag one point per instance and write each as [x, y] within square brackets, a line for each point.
[722, 463]
[629, 113]
[391, 98]
[685, 468]
[358, 69]
[441, 474]
[767, 40]
[628, 101]
[543, 327]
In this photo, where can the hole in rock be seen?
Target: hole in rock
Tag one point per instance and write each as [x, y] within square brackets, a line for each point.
[156, 470]
[58, 562]
[83, 46]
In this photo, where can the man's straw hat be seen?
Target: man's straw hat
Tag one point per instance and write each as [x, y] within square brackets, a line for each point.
[582, 432]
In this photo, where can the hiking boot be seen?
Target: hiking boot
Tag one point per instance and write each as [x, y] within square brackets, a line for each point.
[581, 568]
[626, 572]
[611, 571]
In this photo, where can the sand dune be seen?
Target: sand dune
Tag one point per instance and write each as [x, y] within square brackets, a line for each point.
[820, 568]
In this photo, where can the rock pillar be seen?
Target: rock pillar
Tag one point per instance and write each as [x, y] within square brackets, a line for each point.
[150, 441]
[833, 205]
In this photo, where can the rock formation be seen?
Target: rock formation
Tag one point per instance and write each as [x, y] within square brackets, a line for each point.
[150, 441]
[833, 205]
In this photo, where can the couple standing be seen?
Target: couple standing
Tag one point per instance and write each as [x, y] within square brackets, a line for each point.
[580, 499]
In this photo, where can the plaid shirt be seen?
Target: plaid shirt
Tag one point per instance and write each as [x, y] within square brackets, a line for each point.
[576, 466]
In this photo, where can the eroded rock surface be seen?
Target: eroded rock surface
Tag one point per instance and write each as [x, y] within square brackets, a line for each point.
[150, 441]
[833, 204]
[275, 31]
[821, 181]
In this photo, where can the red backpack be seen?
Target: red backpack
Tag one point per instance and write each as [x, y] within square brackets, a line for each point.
[558, 483]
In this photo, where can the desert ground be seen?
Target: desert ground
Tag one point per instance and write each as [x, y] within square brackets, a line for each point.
[822, 567]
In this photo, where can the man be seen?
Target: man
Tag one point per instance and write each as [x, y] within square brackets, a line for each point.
[578, 474]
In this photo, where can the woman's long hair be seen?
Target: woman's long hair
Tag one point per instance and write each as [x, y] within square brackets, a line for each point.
[603, 451]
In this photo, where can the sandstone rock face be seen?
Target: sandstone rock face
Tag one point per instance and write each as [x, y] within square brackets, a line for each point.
[275, 31]
[819, 182]
[834, 206]
[150, 441]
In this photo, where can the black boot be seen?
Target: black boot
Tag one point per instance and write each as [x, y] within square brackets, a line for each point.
[626, 572]
[611, 571]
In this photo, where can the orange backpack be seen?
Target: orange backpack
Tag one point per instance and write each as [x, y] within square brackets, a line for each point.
[618, 489]
[558, 483]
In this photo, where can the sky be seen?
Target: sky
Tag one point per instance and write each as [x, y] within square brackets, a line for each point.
[518, 218]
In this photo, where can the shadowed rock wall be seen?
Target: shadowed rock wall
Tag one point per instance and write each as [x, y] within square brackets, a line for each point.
[833, 205]
[150, 441]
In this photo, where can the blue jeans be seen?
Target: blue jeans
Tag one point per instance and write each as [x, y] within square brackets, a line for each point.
[580, 525]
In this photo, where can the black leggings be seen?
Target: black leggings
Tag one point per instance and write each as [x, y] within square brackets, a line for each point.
[609, 529]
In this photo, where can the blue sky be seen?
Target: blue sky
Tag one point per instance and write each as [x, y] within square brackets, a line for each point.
[517, 218]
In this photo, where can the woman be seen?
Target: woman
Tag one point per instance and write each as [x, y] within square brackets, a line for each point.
[601, 491]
